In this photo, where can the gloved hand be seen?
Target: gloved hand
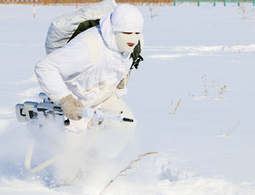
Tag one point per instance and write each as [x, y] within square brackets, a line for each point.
[123, 82]
[69, 106]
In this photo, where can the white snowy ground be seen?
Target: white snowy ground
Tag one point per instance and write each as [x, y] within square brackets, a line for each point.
[195, 156]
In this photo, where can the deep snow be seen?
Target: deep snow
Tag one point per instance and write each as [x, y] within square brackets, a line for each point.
[182, 44]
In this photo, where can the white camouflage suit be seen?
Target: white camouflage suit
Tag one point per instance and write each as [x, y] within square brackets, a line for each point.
[90, 67]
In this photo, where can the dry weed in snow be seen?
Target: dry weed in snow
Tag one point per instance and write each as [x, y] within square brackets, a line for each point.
[247, 12]
[152, 12]
[211, 86]
[127, 168]
[177, 106]
[229, 131]
[221, 92]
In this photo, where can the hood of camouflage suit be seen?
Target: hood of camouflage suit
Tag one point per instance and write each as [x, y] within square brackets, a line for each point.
[125, 18]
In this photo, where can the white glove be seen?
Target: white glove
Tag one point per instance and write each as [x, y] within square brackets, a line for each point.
[69, 106]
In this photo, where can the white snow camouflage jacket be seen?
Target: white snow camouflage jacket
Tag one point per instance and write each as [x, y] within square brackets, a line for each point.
[90, 66]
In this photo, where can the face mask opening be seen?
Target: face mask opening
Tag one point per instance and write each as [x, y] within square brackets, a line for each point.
[127, 41]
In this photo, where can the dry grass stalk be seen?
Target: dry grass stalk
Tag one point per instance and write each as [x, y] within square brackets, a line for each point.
[191, 95]
[247, 12]
[177, 106]
[238, 47]
[153, 14]
[221, 92]
[211, 86]
[127, 168]
[229, 132]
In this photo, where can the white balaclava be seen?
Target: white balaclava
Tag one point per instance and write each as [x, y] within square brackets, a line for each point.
[127, 23]
[125, 18]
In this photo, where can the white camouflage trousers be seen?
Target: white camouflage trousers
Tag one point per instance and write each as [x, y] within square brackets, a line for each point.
[93, 140]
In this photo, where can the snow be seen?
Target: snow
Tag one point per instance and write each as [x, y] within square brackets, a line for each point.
[182, 44]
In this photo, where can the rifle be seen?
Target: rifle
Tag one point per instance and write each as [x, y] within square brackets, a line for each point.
[40, 112]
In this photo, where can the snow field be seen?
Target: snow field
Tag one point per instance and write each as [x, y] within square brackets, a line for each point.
[182, 44]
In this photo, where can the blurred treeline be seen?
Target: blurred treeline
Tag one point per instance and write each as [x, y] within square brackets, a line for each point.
[135, 2]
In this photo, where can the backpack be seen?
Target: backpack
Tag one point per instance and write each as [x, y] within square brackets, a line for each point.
[64, 28]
